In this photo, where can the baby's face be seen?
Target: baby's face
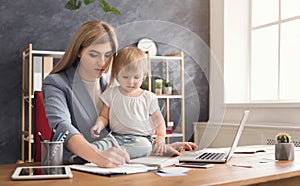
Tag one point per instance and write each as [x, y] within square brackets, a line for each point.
[130, 80]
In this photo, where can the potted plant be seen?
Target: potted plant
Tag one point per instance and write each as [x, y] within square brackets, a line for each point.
[168, 88]
[284, 149]
[158, 86]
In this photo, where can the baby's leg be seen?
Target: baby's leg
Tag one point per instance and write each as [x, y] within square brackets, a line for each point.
[138, 147]
[103, 144]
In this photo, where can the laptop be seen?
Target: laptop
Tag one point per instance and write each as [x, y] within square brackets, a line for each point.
[217, 155]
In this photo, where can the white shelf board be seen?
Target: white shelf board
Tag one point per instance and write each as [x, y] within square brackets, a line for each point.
[173, 135]
[164, 58]
[169, 96]
[55, 54]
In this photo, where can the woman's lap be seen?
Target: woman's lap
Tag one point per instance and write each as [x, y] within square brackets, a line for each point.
[136, 146]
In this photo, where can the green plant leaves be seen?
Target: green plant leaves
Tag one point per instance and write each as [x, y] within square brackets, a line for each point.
[73, 5]
[106, 8]
[87, 2]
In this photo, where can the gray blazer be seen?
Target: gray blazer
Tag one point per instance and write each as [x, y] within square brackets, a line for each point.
[68, 105]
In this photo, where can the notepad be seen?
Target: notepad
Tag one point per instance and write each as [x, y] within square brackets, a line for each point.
[156, 161]
[122, 169]
[250, 149]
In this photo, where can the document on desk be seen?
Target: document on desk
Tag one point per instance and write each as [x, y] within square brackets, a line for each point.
[123, 169]
[156, 161]
[250, 149]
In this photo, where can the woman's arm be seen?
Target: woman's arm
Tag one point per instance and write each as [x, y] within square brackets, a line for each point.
[112, 157]
[57, 92]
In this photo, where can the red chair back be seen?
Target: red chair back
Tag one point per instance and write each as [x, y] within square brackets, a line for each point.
[41, 124]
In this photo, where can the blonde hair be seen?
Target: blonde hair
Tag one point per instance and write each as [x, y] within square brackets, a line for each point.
[91, 32]
[129, 58]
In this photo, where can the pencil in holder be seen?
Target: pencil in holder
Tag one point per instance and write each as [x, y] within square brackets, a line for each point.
[52, 153]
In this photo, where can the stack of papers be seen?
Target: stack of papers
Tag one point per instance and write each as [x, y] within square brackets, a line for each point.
[172, 171]
[250, 149]
[156, 161]
[123, 169]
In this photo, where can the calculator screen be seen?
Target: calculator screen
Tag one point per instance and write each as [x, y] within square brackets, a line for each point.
[42, 171]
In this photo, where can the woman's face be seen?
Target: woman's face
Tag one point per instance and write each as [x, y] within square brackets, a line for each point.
[95, 60]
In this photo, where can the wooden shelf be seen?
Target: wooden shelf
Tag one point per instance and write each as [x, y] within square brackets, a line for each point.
[36, 64]
[178, 58]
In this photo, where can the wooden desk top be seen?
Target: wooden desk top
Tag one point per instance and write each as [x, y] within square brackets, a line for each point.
[285, 172]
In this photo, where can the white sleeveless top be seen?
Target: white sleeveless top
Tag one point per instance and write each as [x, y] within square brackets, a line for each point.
[130, 115]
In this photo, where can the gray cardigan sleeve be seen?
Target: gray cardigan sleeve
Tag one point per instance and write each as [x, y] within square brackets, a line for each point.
[57, 106]
[69, 106]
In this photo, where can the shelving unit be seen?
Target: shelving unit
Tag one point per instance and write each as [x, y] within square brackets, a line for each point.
[36, 64]
[176, 57]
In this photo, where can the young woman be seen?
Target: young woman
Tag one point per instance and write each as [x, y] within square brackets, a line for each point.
[72, 90]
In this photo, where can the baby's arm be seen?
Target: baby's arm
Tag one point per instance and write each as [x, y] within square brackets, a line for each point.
[101, 122]
[159, 142]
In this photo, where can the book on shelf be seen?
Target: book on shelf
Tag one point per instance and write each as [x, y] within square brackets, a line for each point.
[47, 66]
[37, 73]
[42, 66]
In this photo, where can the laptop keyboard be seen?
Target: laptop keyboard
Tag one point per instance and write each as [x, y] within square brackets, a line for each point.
[211, 156]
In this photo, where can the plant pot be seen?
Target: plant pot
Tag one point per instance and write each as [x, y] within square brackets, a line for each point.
[284, 151]
[168, 90]
[158, 86]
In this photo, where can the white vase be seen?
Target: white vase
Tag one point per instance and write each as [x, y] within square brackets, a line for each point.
[168, 90]
[284, 151]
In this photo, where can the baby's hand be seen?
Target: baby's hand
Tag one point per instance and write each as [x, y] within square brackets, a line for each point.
[158, 146]
[95, 131]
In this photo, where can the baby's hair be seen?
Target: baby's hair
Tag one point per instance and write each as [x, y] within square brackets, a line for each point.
[129, 58]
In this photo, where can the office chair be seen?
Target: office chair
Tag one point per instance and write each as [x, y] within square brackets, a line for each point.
[40, 124]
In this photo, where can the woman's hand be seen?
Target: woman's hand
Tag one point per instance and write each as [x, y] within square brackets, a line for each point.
[159, 146]
[112, 157]
[177, 147]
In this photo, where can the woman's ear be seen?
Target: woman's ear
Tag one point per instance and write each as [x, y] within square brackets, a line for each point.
[79, 53]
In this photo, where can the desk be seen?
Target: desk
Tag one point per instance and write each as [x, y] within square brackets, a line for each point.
[281, 173]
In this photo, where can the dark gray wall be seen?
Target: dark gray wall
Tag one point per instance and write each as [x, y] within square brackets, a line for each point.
[173, 24]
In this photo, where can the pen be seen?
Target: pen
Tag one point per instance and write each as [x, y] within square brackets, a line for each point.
[41, 137]
[59, 136]
[114, 140]
[61, 139]
[53, 132]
